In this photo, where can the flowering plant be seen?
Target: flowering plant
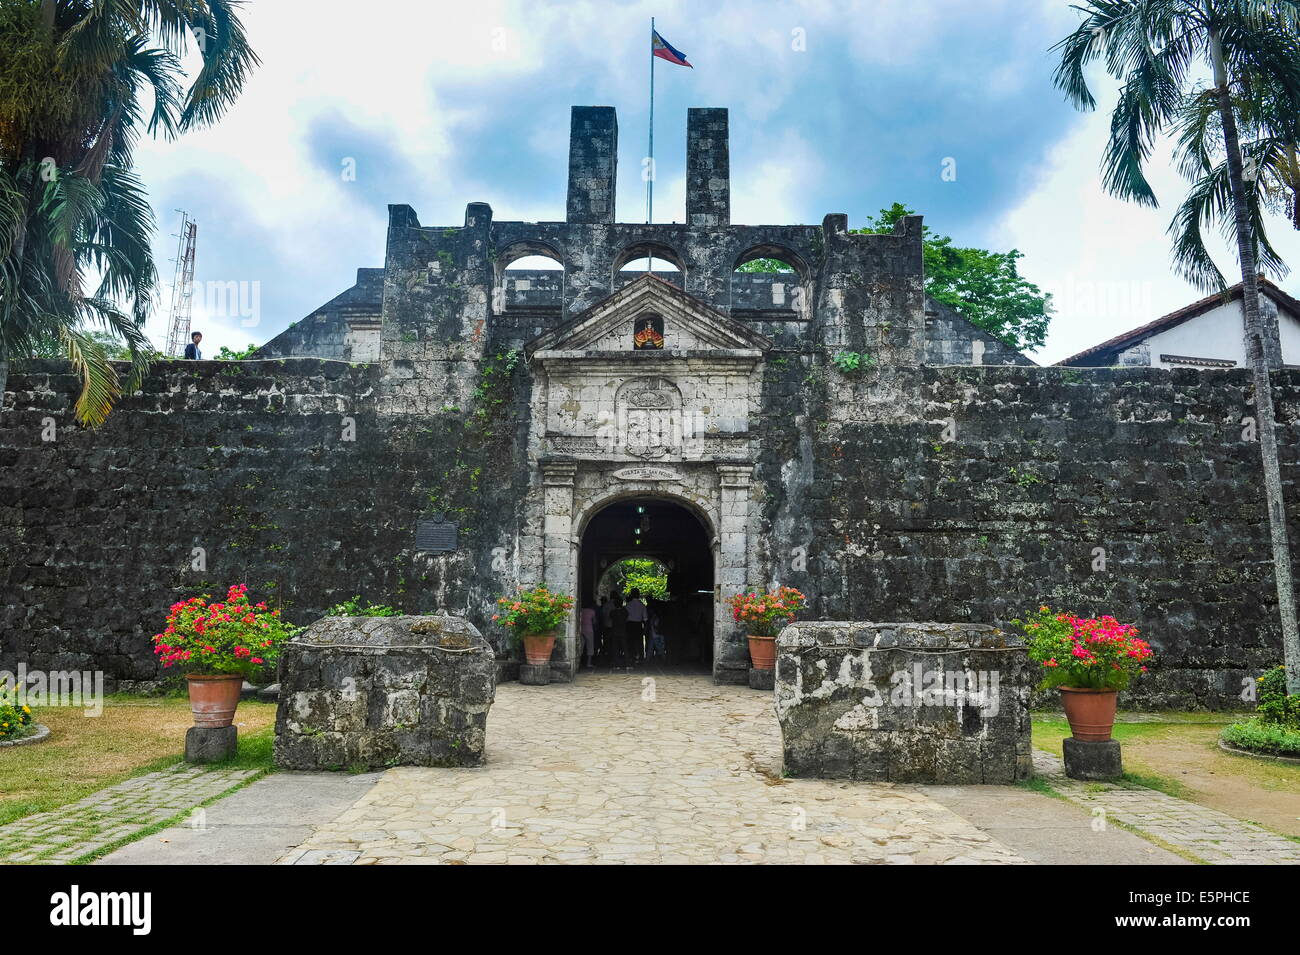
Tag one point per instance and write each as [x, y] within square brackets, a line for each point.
[15, 717]
[765, 614]
[1082, 652]
[537, 610]
[230, 636]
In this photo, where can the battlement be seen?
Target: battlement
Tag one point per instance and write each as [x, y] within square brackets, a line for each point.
[455, 283]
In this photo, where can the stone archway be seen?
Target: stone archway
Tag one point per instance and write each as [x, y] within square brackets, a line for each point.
[661, 530]
[717, 495]
[609, 421]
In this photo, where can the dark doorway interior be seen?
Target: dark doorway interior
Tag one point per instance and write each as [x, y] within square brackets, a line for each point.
[675, 540]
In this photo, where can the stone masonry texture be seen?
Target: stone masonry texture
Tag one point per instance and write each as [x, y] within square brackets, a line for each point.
[384, 691]
[911, 702]
[943, 481]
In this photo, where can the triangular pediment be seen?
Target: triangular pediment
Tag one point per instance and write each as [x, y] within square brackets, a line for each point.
[689, 325]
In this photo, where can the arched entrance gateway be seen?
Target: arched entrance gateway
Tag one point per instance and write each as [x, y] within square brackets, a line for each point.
[647, 451]
[663, 549]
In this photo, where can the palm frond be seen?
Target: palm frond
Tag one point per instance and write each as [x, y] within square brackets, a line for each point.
[1209, 204]
[228, 60]
[117, 242]
[1206, 203]
[100, 386]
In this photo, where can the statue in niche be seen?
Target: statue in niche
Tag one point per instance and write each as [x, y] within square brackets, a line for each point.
[648, 333]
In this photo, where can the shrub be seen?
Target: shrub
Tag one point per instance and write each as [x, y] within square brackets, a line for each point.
[537, 610]
[231, 636]
[638, 573]
[1262, 736]
[355, 608]
[1274, 705]
[1082, 652]
[15, 717]
[852, 362]
[765, 614]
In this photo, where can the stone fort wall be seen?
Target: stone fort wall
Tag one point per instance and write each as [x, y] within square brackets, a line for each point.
[994, 499]
[279, 471]
[948, 481]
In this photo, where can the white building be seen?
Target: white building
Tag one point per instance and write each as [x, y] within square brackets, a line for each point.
[1206, 334]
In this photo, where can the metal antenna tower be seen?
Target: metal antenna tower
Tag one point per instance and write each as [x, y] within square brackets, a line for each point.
[178, 334]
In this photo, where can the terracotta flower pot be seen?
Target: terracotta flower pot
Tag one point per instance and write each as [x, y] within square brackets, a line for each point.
[213, 698]
[1091, 712]
[762, 652]
[538, 647]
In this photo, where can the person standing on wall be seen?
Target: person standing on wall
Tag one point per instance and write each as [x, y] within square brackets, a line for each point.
[636, 617]
[192, 349]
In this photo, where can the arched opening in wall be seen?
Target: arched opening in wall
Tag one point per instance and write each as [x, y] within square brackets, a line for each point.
[656, 550]
[770, 279]
[634, 261]
[528, 276]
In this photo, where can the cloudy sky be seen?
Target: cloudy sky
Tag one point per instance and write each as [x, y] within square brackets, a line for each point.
[835, 107]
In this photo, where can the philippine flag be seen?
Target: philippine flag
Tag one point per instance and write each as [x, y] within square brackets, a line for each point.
[666, 51]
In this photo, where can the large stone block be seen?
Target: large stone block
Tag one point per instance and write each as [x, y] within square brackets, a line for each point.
[1092, 761]
[210, 744]
[903, 702]
[384, 691]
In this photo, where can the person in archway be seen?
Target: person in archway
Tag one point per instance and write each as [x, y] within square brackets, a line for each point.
[636, 619]
[655, 649]
[618, 632]
[602, 628]
[588, 621]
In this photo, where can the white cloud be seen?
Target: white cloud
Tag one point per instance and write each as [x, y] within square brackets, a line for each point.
[414, 75]
[767, 195]
[1107, 262]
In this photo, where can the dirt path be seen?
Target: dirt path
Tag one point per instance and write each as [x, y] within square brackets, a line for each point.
[1257, 791]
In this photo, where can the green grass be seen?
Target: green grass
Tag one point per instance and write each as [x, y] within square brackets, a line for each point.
[1180, 757]
[1048, 733]
[1260, 737]
[255, 752]
[167, 823]
[17, 809]
[1164, 784]
[1039, 785]
[134, 735]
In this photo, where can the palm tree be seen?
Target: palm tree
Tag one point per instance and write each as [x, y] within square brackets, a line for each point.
[1251, 51]
[78, 80]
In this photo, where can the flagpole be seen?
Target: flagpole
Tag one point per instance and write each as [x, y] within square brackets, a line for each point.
[650, 180]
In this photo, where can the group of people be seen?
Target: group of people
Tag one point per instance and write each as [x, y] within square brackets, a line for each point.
[626, 634]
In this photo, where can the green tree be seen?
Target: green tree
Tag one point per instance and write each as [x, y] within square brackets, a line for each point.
[986, 287]
[114, 348]
[644, 574]
[1251, 49]
[231, 354]
[765, 265]
[79, 79]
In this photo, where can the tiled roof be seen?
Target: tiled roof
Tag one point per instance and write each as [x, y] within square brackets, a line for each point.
[1233, 292]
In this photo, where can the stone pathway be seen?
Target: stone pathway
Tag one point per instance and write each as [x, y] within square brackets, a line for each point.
[1209, 835]
[635, 769]
[628, 769]
[102, 818]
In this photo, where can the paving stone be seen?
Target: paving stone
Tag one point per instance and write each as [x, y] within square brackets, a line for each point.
[111, 814]
[591, 772]
[1200, 830]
